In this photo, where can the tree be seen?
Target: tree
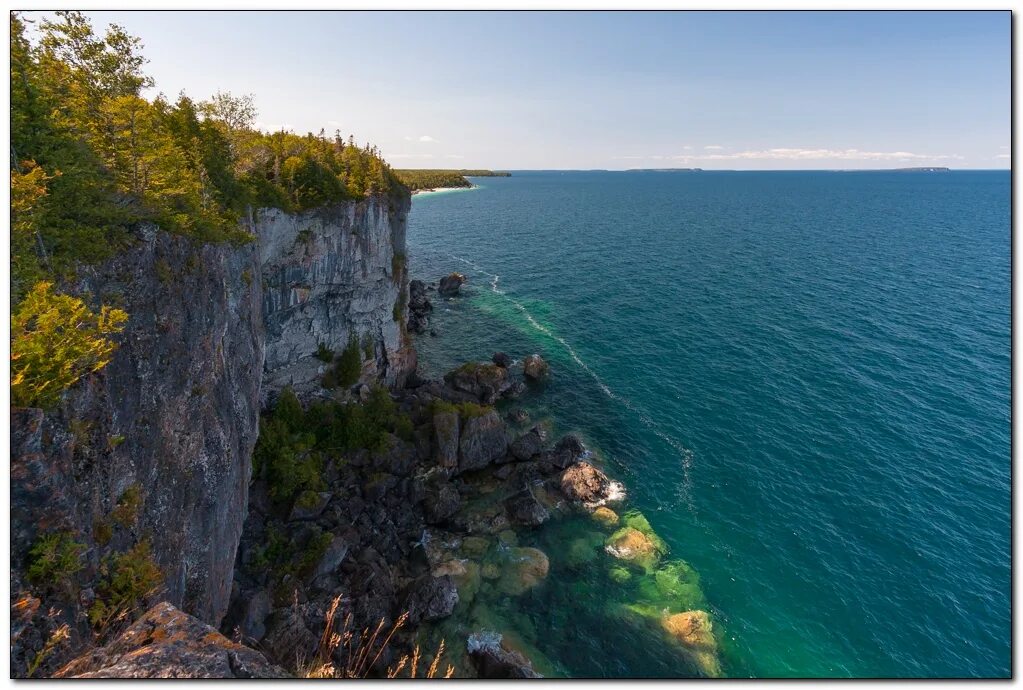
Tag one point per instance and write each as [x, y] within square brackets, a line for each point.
[55, 341]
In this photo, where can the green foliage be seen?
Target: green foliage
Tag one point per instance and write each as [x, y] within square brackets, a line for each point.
[347, 368]
[465, 410]
[432, 179]
[54, 560]
[92, 158]
[324, 353]
[127, 580]
[282, 558]
[397, 267]
[128, 506]
[55, 341]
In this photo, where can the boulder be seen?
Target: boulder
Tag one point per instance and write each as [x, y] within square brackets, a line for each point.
[535, 367]
[419, 307]
[482, 380]
[451, 284]
[493, 659]
[431, 598]
[632, 545]
[526, 567]
[525, 509]
[167, 643]
[288, 638]
[527, 445]
[483, 441]
[605, 516]
[584, 483]
[501, 359]
[442, 500]
[332, 557]
[257, 608]
[693, 630]
[518, 416]
[309, 505]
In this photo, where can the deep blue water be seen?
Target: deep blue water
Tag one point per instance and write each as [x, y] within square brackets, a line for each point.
[803, 379]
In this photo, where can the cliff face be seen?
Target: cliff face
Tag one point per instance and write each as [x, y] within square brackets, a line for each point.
[171, 420]
[329, 276]
[157, 446]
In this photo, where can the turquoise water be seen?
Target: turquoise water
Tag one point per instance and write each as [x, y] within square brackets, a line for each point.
[803, 379]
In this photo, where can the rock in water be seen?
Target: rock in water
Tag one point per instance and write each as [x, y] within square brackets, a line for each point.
[605, 516]
[524, 509]
[501, 359]
[526, 568]
[419, 307]
[630, 544]
[586, 484]
[451, 284]
[494, 660]
[535, 367]
[167, 643]
[694, 631]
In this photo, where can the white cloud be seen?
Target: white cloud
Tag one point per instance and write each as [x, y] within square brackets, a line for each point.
[333, 123]
[1003, 155]
[426, 138]
[687, 148]
[714, 147]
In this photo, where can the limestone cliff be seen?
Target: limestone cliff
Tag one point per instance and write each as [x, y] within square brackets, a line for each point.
[157, 446]
[329, 276]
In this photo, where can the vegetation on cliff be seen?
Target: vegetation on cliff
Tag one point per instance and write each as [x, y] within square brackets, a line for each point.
[92, 158]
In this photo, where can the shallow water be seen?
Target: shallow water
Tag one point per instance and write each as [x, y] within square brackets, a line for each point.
[802, 378]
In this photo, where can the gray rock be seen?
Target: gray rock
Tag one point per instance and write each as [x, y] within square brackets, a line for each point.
[332, 558]
[501, 359]
[431, 598]
[450, 284]
[167, 643]
[441, 501]
[524, 509]
[303, 510]
[584, 483]
[527, 445]
[445, 439]
[483, 441]
[493, 659]
[535, 367]
[482, 380]
[257, 608]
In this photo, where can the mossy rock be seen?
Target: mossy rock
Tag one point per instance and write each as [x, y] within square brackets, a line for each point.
[475, 547]
[619, 575]
[694, 631]
[490, 571]
[605, 516]
[583, 549]
[526, 567]
[679, 583]
[633, 546]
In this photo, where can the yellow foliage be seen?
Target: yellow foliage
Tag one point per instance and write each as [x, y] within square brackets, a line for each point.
[56, 340]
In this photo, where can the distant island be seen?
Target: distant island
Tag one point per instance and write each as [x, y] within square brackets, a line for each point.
[665, 170]
[422, 180]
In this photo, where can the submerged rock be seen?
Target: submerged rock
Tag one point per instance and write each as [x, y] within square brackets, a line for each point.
[605, 516]
[630, 544]
[694, 631]
[451, 284]
[526, 568]
[525, 509]
[167, 643]
[501, 359]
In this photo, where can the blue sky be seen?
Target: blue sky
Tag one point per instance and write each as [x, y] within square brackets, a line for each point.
[529, 90]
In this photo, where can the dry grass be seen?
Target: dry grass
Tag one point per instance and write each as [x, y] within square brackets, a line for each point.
[345, 654]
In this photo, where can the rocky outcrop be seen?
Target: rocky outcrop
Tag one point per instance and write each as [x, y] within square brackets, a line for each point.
[586, 484]
[419, 307]
[484, 381]
[333, 276]
[482, 442]
[450, 284]
[166, 643]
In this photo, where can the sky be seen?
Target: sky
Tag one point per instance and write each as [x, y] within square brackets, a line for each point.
[610, 90]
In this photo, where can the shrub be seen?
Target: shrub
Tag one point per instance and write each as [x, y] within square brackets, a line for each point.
[348, 366]
[54, 560]
[128, 505]
[128, 579]
[324, 353]
[55, 341]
